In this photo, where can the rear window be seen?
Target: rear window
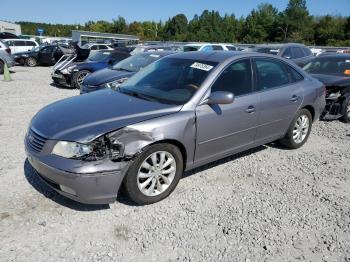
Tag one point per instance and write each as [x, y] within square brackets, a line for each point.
[191, 48]
[307, 51]
[297, 52]
[268, 50]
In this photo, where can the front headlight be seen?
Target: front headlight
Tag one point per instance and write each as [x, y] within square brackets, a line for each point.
[116, 83]
[71, 149]
[103, 147]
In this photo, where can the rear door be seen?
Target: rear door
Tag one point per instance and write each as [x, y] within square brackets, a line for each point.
[223, 129]
[280, 97]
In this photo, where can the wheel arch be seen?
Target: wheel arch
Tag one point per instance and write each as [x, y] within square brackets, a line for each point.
[311, 109]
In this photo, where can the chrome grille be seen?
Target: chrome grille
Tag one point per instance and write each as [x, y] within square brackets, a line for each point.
[35, 141]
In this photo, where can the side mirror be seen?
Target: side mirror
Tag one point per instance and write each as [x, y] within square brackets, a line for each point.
[219, 98]
[288, 57]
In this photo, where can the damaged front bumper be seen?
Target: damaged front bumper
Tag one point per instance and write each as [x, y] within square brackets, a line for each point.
[62, 79]
[86, 182]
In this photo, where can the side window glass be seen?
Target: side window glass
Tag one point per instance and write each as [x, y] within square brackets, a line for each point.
[30, 43]
[296, 76]
[20, 43]
[270, 74]
[217, 47]
[236, 78]
[94, 47]
[103, 47]
[307, 51]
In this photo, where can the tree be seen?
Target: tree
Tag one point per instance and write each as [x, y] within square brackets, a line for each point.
[295, 22]
[330, 30]
[176, 28]
[260, 24]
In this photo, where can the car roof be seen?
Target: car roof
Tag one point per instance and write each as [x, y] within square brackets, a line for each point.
[160, 53]
[279, 45]
[18, 39]
[213, 56]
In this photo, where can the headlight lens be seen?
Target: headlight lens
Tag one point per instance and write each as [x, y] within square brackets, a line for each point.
[71, 149]
[116, 83]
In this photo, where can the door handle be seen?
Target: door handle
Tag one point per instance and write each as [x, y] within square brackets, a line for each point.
[294, 98]
[250, 109]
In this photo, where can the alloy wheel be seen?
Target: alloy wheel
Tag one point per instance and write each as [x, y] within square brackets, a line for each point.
[156, 173]
[301, 129]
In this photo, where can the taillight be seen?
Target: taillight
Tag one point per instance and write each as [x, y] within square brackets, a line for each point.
[8, 50]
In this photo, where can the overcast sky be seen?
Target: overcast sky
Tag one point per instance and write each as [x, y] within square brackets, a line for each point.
[79, 11]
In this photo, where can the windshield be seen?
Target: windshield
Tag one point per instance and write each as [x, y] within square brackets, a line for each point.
[136, 62]
[99, 56]
[329, 65]
[189, 48]
[169, 80]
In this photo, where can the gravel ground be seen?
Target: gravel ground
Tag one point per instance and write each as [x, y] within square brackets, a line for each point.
[268, 204]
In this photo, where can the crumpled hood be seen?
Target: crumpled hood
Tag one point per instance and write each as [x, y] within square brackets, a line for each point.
[332, 80]
[105, 76]
[83, 118]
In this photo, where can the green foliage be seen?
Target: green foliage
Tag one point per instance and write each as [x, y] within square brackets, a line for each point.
[263, 24]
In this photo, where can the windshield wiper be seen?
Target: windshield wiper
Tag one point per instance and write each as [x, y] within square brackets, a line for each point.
[138, 95]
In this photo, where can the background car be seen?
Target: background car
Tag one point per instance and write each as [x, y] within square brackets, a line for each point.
[7, 35]
[40, 55]
[20, 45]
[298, 53]
[112, 77]
[209, 47]
[334, 71]
[150, 48]
[5, 57]
[176, 114]
[94, 47]
[74, 74]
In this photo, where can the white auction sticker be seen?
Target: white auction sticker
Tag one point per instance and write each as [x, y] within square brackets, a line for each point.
[153, 55]
[201, 66]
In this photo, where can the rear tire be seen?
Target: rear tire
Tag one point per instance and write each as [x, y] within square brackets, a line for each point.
[346, 109]
[154, 174]
[2, 67]
[299, 130]
[79, 77]
[31, 62]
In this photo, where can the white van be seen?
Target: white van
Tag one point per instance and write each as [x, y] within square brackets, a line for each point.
[20, 45]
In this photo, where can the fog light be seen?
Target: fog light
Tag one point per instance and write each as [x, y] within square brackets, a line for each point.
[67, 190]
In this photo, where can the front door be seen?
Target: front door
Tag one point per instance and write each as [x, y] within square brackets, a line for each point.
[223, 129]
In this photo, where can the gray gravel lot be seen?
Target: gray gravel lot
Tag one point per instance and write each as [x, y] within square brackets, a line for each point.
[268, 204]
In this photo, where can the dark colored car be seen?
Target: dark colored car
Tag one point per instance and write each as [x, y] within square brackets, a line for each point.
[298, 53]
[178, 113]
[334, 71]
[6, 35]
[41, 55]
[74, 75]
[113, 77]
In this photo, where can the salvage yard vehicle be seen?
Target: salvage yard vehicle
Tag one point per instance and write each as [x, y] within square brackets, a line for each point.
[94, 47]
[40, 55]
[20, 45]
[113, 77]
[178, 113]
[334, 71]
[298, 53]
[73, 75]
[209, 47]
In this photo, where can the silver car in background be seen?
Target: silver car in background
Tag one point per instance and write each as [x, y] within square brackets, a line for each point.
[180, 112]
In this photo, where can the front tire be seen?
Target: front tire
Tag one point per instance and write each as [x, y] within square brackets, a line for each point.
[299, 130]
[31, 62]
[79, 77]
[346, 109]
[154, 174]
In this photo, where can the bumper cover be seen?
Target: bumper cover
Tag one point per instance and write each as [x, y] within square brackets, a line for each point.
[62, 79]
[90, 188]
